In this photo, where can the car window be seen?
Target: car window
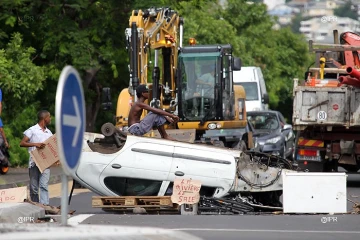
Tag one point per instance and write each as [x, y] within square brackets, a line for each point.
[282, 119]
[132, 187]
[264, 121]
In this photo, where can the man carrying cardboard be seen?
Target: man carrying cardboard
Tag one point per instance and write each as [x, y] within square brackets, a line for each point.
[34, 137]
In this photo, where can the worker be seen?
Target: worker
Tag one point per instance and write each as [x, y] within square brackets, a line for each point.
[206, 82]
[34, 137]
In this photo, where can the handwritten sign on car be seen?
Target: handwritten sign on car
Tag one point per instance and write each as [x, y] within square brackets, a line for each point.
[186, 191]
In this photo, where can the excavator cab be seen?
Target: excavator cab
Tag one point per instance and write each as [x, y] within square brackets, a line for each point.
[205, 83]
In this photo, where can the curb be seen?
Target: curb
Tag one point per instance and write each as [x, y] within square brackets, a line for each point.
[53, 180]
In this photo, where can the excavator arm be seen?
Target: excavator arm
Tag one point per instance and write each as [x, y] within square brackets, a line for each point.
[149, 32]
[351, 58]
[153, 29]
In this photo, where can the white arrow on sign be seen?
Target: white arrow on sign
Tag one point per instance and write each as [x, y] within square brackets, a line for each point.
[74, 121]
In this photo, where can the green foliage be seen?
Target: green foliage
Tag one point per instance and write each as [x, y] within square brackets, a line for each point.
[19, 77]
[281, 54]
[14, 132]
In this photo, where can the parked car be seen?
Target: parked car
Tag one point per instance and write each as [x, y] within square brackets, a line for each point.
[272, 133]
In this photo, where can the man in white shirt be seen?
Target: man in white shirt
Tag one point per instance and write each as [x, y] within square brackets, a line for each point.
[34, 137]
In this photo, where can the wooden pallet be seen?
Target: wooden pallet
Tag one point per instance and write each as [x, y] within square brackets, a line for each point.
[128, 203]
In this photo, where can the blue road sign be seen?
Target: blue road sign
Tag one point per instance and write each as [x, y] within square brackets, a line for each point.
[70, 118]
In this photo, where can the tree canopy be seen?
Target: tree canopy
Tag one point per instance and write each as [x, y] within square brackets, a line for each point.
[38, 38]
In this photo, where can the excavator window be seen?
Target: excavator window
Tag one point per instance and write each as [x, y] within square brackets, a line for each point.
[199, 79]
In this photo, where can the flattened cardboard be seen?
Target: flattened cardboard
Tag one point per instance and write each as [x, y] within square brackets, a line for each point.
[46, 157]
[186, 191]
[13, 195]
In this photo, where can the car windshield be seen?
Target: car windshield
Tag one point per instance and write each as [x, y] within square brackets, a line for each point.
[263, 121]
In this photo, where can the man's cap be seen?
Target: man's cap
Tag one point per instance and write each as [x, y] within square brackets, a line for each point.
[141, 88]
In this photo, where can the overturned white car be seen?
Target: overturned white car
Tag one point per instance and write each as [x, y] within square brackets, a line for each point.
[126, 165]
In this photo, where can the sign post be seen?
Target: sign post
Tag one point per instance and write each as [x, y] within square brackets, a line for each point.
[70, 127]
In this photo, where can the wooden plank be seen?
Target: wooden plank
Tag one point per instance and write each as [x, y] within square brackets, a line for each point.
[133, 206]
[329, 70]
[97, 202]
[132, 202]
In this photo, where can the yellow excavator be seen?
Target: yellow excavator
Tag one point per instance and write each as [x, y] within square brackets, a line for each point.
[209, 113]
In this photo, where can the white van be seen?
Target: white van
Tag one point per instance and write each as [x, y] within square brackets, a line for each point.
[251, 78]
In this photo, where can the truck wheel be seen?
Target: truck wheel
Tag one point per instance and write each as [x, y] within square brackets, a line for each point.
[352, 169]
[4, 170]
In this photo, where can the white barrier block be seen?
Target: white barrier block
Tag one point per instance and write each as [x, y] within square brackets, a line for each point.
[307, 192]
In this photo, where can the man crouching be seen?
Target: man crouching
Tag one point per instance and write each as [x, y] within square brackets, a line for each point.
[155, 118]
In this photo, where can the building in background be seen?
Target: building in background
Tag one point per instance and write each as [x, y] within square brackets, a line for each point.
[271, 4]
[284, 14]
[320, 29]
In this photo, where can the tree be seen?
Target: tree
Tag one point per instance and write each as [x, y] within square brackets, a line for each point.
[281, 54]
[20, 78]
[80, 33]
[86, 34]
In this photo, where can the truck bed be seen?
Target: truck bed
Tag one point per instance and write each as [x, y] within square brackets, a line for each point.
[326, 106]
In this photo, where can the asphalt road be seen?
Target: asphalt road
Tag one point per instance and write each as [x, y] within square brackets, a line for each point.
[20, 177]
[270, 227]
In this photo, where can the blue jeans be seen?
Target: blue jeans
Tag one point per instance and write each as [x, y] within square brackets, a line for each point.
[144, 126]
[39, 180]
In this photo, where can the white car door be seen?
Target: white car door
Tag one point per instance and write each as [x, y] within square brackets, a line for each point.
[140, 169]
[212, 166]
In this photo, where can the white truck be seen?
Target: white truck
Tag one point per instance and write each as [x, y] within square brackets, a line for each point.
[252, 79]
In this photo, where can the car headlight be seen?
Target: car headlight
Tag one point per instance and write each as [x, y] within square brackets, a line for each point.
[273, 140]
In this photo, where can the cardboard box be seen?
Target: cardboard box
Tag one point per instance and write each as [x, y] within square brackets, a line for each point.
[48, 156]
[13, 195]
